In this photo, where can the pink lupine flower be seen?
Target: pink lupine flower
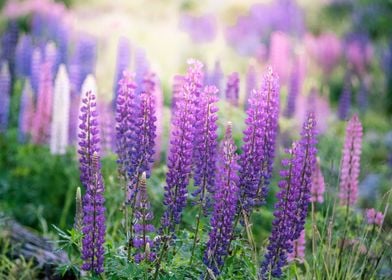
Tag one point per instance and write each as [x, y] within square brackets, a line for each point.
[318, 184]
[298, 253]
[280, 55]
[374, 217]
[350, 165]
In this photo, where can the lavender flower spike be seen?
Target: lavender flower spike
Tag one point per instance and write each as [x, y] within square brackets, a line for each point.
[206, 142]
[26, 112]
[233, 89]
[225, 198]
[350, 165]
[88, 136]
[61, 105]
[181, 147]
[259, 142]
[94, 220]
[5, 91]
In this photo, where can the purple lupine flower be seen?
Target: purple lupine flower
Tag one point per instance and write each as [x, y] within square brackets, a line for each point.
[88, 136]
[85, 56]
[23, 56]
[43, 114]
[93, 212]
[51, 56]
[280, 240]
[306, 157]
[251, 84]
[36, 61]
[201, 29]
[143, 227]
[318, 184]
[9, 40]
[233, 89]
[141, 68]
[374, 217]
[298, 253]
[293, 200]
[181, 147]
[178, 81]
[225, 198]
[350, 165]
[362, 95]
[293, 92]
[124, 120]
[206, 142]
[123, 61]
[259, 142]
[106, 122]
[215, 78]
[5, 95]
[26, 112]
[345, 99]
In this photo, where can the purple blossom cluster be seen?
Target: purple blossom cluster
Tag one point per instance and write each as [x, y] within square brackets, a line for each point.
[232, 93]
[293, 199]
[225, 198]
[259, 142]
[5, 95]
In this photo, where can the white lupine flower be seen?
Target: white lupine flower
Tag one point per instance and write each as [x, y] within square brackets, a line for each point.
[59, 130]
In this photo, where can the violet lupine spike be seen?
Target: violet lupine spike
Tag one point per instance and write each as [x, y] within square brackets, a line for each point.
[88, 136]
[298, 253]
[215, 78]
[106, 126]
[36, 61]
[51, 56]
[5, 95]
[345, 99]
[259, 142]
[233, 89]
[124, 120]
[374, 217]
[59, 139]
[43, 114]
[143, 227]
[178, 81]
[9, 40]
[123, 61]
[350, 165]
[251, 84]
[94, 219]
[181, 147]
[206, 142]
[141, 68]
[26, 112]
[318, 185]
[306, 159]
[293, 92]
[283, 226]
[225, 198]
[23, 56]
[85, 57]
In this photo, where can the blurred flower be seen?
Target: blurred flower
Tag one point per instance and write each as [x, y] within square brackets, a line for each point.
[5, 95]
[215, 77]
[9, 40]
[318, 184]
[350, 165]
[251, 84]
[280, 55]
[36, 61]
[23, 54]
[60, 120]
[26, 112]
[122, 63]
[225, 198]
[294, 91]
[232, 89]
[359, 53]
[201, 29]
[374, 217]
[345, 98]
[298, 253]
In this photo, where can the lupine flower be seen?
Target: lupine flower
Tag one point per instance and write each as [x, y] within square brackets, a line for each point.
[88, 136]
[85, 57]
[306, 158]
[293, 199]
[251, 81]
[280, 55]
[36, 61]
[43, 114]
[93, 215]
[206, 142]
[318, 185]
[181, 147]
[259, 142]
[374, 217]
[350, 165]
[51, 56]
[345, 99]
[141, 68]
[200, 28]
[159, 123]
[61, 104]
[178, 81]
[362, 95]
[26, 112]
[9, 40]
[23, 56]
[106, 126]
[143, 227]
[225, 198]
[124, 120]
[78, 221]
[298, 253]
[215, 78]
[123, 61]
[233, 89]
[5, 98]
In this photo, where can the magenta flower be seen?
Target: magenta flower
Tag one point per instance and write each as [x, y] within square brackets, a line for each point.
[318, 185]
[374, 217]
[298, 253]
[350, 165]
